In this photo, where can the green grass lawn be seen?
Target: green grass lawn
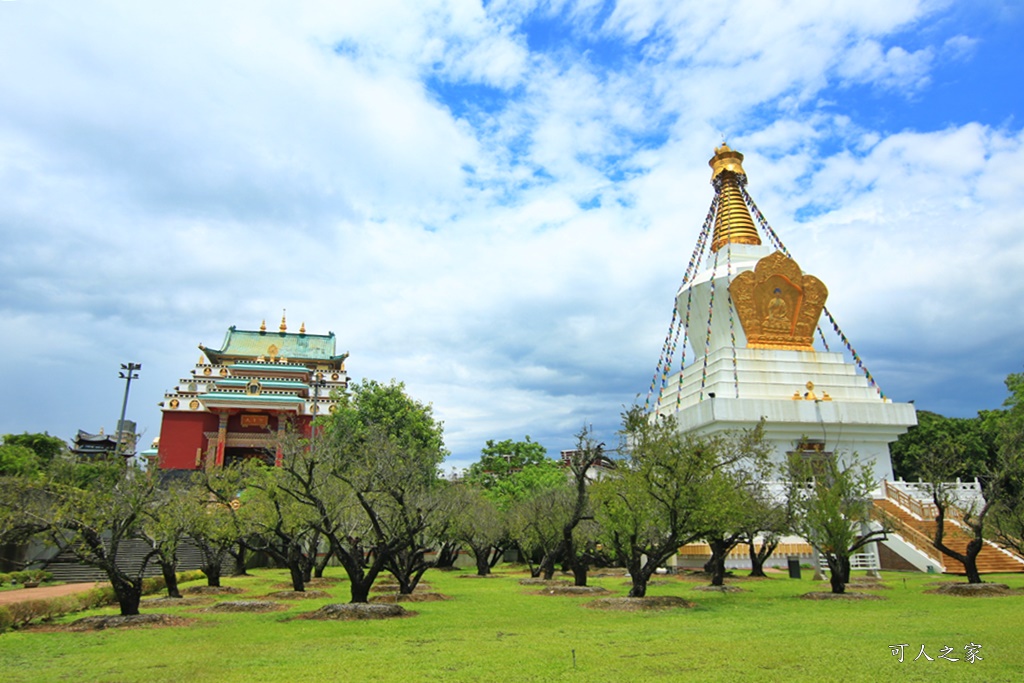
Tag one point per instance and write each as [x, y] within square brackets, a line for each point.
[497, 630]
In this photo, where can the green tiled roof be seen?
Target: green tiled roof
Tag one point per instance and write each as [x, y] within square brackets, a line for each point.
[293, 346]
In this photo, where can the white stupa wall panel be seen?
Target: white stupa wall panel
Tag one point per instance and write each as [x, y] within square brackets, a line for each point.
[860, 431]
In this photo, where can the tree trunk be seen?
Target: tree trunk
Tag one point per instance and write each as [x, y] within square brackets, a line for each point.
[414, 580]
[239, 568]
[719, 551]
[639, 587]
[547, 567]
[295, 569]
[579, 574]
[837, 577]
[482, 557]
[759, 557]
[971, 560]
[170, 578]
[446, 555]
[128, 593]
[360, 591]
[321, 563]
[212, 572]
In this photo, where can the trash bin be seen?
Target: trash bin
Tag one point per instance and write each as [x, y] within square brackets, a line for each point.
[794, 567]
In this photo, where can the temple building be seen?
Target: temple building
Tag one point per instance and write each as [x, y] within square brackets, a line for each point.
[757, 326]
[239, 399]
[87, 445]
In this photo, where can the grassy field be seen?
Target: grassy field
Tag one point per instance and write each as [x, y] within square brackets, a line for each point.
[498, 630]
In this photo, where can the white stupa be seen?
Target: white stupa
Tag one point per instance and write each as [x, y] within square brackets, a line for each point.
[751, 316]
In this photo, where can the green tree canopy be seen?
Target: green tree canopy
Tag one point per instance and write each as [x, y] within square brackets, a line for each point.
[973, 439]
[510, 471]
[46, 447]
[18, 461]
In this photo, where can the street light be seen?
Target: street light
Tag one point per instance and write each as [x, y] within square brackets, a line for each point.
[128, 374]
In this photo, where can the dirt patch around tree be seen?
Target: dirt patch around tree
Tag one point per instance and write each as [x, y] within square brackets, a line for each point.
[358, 611]
[537, 581]
[974, 590]
[174, 602]
[821, 595]
[645, 604]
[870, 585]
[245, 606]
[326, 580]
[610, 573]
[652, 582]
[392, 598]
[114, 621]
[477, 576]
[721, 589]
[389, 587]
[298, 595]
[574, 591]
[213, 590]
[312, 583]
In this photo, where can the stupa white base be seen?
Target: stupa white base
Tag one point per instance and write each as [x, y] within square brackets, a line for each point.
[737, 388]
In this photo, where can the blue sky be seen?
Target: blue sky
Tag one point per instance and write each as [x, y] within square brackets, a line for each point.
[494, 202]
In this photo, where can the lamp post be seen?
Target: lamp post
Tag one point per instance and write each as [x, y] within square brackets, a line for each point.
[128, 374]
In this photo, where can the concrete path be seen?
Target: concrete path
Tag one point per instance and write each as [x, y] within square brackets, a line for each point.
[42, 592]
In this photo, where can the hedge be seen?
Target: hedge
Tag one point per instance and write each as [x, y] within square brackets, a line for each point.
[18, 614]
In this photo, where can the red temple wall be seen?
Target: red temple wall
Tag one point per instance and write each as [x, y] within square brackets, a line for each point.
[180, 435]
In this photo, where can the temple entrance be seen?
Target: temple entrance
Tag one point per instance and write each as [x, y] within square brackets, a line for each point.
[239, 454]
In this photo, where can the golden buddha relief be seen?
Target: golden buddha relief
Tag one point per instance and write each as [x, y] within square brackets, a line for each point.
[778, 305]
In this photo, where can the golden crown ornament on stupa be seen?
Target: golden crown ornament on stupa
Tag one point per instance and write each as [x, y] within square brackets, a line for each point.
[777, 304]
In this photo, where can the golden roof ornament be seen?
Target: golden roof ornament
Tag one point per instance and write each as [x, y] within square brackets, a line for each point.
[733, 224]
[778, 305]
[263, 325]
[302, 328]
[284, 325]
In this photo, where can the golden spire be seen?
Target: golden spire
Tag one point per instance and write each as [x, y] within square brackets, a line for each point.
[284, 325]
[302, 329]
[733, 223]
[263, 325]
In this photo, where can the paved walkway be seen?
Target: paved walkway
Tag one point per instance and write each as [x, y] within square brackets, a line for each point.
[22, 594]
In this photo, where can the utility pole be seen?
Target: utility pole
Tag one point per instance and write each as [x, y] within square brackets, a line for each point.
[128, 374]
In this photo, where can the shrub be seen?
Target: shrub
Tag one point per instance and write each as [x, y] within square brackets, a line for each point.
[22, 613]
[5, 579]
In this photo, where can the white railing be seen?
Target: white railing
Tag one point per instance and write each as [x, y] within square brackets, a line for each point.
[965, 495]
[858, 561]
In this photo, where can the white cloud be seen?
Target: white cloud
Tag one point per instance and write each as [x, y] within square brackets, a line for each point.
[169, 170]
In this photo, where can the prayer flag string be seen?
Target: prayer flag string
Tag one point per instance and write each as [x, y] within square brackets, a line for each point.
[676, 326]
[777, 243]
